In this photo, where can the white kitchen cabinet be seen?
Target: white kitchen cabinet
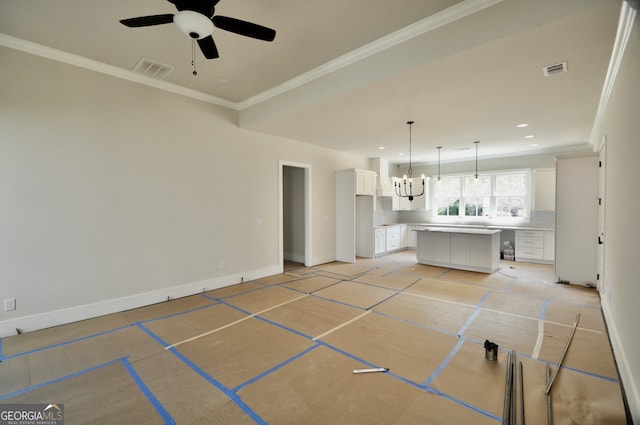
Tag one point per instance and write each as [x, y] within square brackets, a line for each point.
[535, 246]
[549, 246]
[412, 237]
[459, 248]
[392, 241]
[365, 182]
[380, 240]
[404, 235]
[354, 214]
[576, 255]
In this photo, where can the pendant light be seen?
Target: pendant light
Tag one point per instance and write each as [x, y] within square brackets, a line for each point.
[398, 186]
[439, 148]
[477, 142]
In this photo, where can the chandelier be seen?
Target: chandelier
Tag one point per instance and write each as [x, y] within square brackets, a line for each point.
[400, 187]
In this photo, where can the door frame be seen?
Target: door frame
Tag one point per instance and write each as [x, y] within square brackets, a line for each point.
[602, 203]
[307, 211]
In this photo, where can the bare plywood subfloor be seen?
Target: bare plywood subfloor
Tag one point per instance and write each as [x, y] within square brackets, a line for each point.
[282, 350]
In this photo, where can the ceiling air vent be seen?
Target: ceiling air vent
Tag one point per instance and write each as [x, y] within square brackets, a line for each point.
[556, 68]
[152, 69]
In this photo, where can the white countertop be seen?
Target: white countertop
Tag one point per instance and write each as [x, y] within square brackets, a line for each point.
[468, 230]
[480, 226]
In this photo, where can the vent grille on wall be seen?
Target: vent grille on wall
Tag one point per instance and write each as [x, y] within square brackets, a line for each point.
[152, 69]
[556, 68]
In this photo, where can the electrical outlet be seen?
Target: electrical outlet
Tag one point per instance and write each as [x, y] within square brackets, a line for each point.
[9, 304]
[222, 264]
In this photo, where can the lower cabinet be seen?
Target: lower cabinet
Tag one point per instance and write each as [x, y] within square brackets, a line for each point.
[392, 241]
[476, 251]
[380, 240]
[535, 246]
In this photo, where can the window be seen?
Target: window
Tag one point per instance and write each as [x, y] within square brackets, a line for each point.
[500, 195]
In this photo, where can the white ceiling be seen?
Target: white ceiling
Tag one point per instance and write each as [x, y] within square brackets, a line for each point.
[349, 74]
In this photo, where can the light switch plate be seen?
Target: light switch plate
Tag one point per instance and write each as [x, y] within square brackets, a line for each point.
[9, 304]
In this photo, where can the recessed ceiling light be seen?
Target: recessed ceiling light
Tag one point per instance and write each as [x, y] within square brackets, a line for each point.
[401, 153]
[524, 124]
[534, 144]
[381, 148]
[530, 136]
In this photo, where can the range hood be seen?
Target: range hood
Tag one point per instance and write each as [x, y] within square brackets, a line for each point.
[383, 183]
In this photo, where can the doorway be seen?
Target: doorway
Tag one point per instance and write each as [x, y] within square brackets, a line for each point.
[295, 213]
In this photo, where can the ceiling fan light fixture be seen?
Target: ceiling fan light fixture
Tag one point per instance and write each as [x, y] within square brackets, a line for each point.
[193, 24]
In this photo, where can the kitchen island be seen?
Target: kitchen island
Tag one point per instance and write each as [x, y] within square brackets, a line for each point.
[459, 248]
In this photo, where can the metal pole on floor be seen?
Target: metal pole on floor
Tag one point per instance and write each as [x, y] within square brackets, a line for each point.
[506, 412]
[564, 352]
[522, 422]
[549, 412]
[514, 387]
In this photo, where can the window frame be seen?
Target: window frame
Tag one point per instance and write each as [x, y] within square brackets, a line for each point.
[491, 218]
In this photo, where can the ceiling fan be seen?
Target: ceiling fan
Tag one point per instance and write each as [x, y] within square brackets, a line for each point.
[196, 18]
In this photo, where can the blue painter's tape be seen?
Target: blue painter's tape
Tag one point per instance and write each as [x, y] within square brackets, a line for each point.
[473, 315]
[168, 420]
[273, 369]
[338, 302]
[286, 328]
[467, 405]
[444, 363]
[233, 396]
[53, 381]
[61, 344]
[543, 310]
[594, 375]
[152, 335]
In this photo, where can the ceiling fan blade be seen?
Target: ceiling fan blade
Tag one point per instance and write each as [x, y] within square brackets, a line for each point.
[147, 21]
[245, 28]
[208, 47]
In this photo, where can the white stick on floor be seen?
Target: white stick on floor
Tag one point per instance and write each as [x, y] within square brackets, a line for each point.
[564, 352]
[232, 323]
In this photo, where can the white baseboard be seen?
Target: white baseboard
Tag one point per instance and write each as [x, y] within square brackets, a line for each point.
[630, 385]
[296, 258]
[87, 311]
[322, 260]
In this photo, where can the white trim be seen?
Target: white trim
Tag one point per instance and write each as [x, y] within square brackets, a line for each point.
[307, 211]
[113, 71]
[430, 23]
[631, 387]
[625, 26]
[115, 305]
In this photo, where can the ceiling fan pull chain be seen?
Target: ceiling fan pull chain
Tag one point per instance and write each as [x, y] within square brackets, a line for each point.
[193, 56]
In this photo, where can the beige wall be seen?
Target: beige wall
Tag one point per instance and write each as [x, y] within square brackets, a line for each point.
[114, 194]
[621, 294]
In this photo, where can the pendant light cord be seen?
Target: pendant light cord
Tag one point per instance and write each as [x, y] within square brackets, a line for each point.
[410, 169]
[193, 56]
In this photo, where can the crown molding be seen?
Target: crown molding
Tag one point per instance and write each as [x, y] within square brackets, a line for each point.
[451, 14]
[625, 26]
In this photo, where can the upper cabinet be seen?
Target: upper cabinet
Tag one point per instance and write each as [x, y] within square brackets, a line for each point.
[399, 203]
[365, 182]
[544, 189]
